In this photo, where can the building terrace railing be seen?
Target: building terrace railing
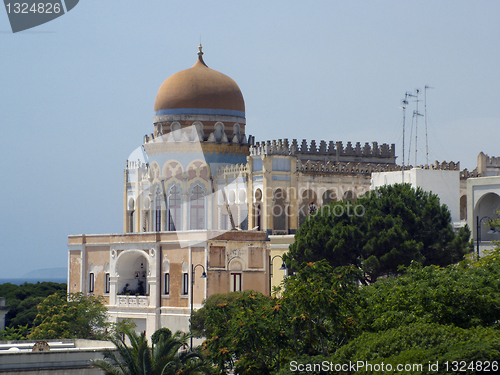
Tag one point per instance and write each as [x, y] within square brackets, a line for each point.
[132, 301]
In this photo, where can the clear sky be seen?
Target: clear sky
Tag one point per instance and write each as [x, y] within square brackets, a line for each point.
[77, 93]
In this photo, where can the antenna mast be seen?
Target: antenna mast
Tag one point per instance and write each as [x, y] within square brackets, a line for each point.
[425, 117]
[411, 129]
[404, 104]
[416, 114]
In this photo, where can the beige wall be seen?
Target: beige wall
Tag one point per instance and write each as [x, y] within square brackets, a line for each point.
[75, 271]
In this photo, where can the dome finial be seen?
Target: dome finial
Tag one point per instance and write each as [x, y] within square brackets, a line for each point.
[200, 55]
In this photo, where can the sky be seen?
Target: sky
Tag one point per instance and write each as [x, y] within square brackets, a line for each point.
[77, 93]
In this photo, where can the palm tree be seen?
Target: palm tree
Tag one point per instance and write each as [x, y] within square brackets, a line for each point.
[162, 358]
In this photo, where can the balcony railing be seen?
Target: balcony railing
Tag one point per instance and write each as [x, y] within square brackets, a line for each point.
[132, 301]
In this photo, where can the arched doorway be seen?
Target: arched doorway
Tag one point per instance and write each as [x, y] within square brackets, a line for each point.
[132, 270]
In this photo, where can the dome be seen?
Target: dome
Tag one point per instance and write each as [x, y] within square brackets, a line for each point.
[199, 90]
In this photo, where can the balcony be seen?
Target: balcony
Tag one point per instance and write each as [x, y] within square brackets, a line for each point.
[132, 301]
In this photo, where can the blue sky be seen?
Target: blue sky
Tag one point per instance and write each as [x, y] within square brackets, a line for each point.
[77, 94]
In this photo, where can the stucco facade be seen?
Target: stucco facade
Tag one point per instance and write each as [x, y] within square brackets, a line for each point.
[200, 195]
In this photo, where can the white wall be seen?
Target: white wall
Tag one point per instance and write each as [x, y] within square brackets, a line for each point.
[446, 184]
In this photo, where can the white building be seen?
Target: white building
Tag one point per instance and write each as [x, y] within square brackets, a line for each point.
[445, 183]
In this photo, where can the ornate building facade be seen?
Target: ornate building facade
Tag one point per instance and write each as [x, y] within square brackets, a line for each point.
[202, 198]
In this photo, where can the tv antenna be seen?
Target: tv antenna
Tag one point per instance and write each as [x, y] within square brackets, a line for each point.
[404, 103]
[425, 118]
[411, 129]
[416, 114]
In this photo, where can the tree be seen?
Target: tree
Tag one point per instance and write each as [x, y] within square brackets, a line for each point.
[18, 333]
[386, 229]
[422, 344]
[318, 308]
[71, 316]
[248, 332]
[243, 334]
[199, 328]
[22, 301]
[461, 295]
[162, 358]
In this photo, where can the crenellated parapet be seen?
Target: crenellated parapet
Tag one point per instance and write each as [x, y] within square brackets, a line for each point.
[488, 166]
[137, 170]
[492, 162]
[284, 147]
[465, 174]
[131, 164]
[443, 166]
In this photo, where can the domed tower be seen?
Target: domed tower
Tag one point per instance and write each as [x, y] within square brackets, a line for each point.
[200, 94]
[203, 105]
[199, 125]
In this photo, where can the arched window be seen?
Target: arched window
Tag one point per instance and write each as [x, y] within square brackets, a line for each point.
[328, 197]
[463, 207]
[158, 211]
[174, 207]
[197, 209]
[308, 205]
[257, 210]
[279, 210]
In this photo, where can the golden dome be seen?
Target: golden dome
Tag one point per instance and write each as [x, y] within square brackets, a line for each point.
[199, 90]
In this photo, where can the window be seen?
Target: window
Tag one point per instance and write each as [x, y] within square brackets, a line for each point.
[235, 282]
[167, 283]
[131, 222]
[158, 211]
[91, 282]
[106, 283]
[174, 206]
[185, 284]
[197, 211]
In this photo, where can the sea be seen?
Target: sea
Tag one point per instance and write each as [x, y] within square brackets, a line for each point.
[19, 281]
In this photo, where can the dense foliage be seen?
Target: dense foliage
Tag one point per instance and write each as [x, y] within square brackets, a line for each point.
[22, 300]
[422, 344]
[62, 316]
[164, 357]
[464, 296]
[427, 315]
[249, 332]
[388, 228]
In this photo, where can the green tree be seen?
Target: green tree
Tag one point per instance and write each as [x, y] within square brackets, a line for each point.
[422, 344]
[161, 334]
[386, 229]
[243, 334]
[18, 333]
[22, 300]
[318, 308]
[199, 328]
[248, 332]
[164, 357]
[71, 316]
[461, 295]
